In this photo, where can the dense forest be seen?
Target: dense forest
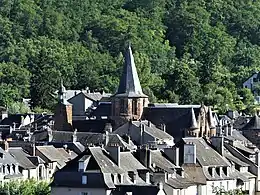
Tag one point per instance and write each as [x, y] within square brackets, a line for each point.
[186, 51]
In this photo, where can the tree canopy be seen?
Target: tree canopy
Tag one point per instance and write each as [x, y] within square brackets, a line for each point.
[188, 51]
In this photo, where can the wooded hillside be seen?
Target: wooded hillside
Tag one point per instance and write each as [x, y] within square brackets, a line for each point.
[186, 51]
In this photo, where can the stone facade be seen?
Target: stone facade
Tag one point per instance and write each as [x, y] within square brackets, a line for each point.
[63, 117]
[205, 124]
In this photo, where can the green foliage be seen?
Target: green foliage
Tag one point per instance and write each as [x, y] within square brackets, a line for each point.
[189, 51]
[221, 191]
[18, 108]
[25, 187]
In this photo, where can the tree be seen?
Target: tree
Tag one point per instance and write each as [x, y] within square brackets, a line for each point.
[25, 187]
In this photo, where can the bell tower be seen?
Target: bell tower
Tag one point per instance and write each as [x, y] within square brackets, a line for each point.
[63, 112]
[129, 100]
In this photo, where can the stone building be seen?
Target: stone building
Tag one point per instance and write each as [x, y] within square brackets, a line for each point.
[63, 112]
[129, 100]
[252, 130]
[183, 120]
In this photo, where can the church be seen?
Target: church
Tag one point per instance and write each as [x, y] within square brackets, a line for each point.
[130, 104]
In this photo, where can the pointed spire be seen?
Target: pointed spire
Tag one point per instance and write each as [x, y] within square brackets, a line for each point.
[129, 83]
[212, 124]
[62, 93]
[194, 124]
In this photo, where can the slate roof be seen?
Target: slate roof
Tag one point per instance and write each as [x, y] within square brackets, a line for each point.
[253, 124]
[129, 163]
[240, 122]
[176, 118]
[243, 148]
[21, 157]
[136, 189]
[129, 85]
[234, 159]
[116, 139]
[52, 154]
[97, 159]
[96, 126]
[158, 160]
[152, 129]
[8, 158]
[194, 173]
[103, 109]
[95, 96]
[13, 118]
[77, 147]
[206, 155]
[236, 135]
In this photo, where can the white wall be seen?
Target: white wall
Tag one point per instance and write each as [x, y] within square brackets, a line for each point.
[225, 184]
[77, 191]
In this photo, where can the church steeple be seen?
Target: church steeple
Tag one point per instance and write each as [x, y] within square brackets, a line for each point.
[129, 100]
[63, 111]
[129, 85]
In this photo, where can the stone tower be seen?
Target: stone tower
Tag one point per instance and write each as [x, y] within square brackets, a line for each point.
[63, 112]
[129, 100]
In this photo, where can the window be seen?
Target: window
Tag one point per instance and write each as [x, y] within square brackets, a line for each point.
[134, 106]
[84, 179]
[122, 106]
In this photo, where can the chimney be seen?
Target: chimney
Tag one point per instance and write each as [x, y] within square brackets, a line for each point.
[33, 149]
[114, 152]
[6, 145]
[189, 156]
[218, 143]
[173, 154]
[226, 130]
[132, 175]
[106, 138]
[50, 136]
[109, 128]
[230, 129]
[74, 136]
[142, 129]
[145, 157]
[163, 127]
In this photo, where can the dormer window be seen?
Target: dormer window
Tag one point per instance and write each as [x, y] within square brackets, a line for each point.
[81, 166]
[84, 179]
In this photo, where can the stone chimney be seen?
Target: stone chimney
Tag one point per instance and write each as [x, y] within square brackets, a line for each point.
[142, 129]
[114, 152]
[226, 130]
[106, 138]
[173, 154]
[230, 129]
[4, 145]
[218, 143]
[189, 154]
[145, 157]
